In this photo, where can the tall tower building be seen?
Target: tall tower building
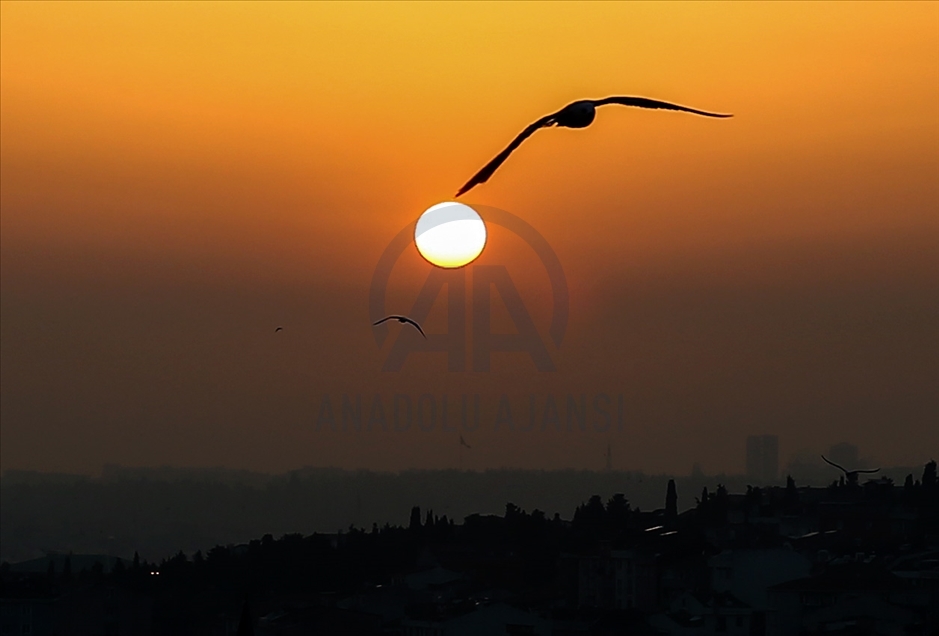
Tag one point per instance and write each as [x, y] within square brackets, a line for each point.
[762, 459]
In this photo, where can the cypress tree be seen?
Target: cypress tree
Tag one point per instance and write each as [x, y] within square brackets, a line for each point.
[671, 500]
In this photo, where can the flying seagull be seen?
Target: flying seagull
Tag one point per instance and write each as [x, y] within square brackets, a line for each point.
[849, 475]
[278, 329]
[402, 320]
[578, 114]
[463, 442]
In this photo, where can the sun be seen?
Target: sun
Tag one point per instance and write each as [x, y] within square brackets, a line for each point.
[450, 235]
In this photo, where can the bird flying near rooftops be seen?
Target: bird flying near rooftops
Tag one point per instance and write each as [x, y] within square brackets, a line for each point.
[851, 476]
[579, 114]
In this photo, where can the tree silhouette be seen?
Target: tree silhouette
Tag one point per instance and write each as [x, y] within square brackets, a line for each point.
[593, 511]
[617, 509]
[929, 475]
[589, 518]
[415, 523]
[671, 500]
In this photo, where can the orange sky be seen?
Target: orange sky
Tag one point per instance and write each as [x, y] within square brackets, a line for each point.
[176, 178]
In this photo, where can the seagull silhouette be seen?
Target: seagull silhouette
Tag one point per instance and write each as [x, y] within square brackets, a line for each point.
[579, 114]
[851, 476]
[402, 320]
[278, 329]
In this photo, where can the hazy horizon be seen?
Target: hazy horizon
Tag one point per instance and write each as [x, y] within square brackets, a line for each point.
[158, 512]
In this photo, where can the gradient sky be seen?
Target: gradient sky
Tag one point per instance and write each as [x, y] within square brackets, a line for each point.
[178, 179]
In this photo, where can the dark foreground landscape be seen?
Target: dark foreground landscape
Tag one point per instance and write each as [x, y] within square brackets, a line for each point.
[855, 557]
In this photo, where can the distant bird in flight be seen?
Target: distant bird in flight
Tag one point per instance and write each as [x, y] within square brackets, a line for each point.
[578, 114]
[402, 320]
[851, 476]
[278, 329]
[463, 442]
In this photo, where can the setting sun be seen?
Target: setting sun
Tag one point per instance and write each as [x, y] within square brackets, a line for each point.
[450, 235]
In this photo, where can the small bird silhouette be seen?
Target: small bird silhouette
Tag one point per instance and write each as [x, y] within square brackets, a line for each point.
[851, 476]
[278, 329]
[579, 114]
[402, 320]
[463, 442]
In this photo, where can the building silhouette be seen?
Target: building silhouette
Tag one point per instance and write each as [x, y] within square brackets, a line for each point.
[839, 560]
[762, 458]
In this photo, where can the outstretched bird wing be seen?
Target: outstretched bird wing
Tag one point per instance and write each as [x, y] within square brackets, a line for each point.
[643, 102]
[833, 463]
[387, 318]
[408, 320]
[463, 442]
[483, 175]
